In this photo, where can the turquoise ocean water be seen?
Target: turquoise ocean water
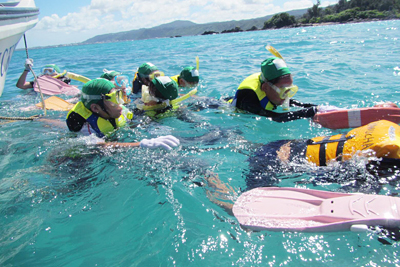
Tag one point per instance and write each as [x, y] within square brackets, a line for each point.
[64, 203]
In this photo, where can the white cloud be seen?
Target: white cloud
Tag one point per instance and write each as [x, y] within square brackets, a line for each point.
[113, 16]
[106, 16]
[86, 19]
[293, 5]
[328, 3]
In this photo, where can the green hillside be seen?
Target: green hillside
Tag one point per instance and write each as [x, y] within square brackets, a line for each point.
[185, 28]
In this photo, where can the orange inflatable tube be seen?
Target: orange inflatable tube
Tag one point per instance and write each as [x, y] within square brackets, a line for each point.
[351, 118]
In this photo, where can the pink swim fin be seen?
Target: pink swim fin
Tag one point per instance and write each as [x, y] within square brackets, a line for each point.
[52, 86]
[295, 209]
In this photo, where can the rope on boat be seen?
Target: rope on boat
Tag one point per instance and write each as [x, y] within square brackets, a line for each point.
[36, 80]
[31, 118]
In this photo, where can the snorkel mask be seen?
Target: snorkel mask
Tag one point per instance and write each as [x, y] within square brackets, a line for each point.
[49, 71]
[122, 80]
[189, 84]
[284, 92]
[116, 97]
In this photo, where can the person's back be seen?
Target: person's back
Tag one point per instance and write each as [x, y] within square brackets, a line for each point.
[378, 142]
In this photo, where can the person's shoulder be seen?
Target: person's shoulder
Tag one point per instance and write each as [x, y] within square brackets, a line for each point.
[75, 121]
[253, 76]
[251, 81]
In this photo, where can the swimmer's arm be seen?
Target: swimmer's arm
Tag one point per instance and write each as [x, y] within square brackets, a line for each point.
[21, 83]
[118, 144]
[289, 116]
[296, 103]
[53, 122]
[248, 100]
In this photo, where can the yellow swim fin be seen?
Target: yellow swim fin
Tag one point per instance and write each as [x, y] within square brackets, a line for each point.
[56, 103]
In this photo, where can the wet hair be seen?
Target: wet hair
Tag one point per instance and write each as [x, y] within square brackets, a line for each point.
[102, 106]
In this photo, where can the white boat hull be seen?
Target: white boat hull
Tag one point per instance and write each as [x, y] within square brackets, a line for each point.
[14, 22]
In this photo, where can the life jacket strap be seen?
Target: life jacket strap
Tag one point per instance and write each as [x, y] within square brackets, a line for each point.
[323, 145]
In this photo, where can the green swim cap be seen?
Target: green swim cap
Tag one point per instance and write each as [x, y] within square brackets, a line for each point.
[54, 66]
[146, 69]
[273, 68]
[166, 87]
[109, 74]
[93, 89]
[190, 74]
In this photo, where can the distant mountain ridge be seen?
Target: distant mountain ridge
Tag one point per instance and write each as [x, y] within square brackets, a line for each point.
[184, 28]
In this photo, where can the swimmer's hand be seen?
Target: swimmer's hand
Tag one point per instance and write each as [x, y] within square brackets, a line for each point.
[28, 64]
[327, 108]
[165, 142]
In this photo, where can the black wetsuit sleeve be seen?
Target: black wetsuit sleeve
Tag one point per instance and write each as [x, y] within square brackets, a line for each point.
[75, 122]
[295, 103]
[136, 86]
[289, 116]
[248, 100]
[65, 79]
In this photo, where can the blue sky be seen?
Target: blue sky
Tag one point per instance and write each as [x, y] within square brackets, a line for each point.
[73, 21]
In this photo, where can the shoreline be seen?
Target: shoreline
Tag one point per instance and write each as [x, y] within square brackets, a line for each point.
[299, 25]
[337, 23]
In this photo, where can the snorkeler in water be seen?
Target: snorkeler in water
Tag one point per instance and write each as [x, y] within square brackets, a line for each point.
[144, 75]
[188, 78]
[262, 92]
[159, 97]
[120, 81]
[377, 142]
[100, 112]
[50, 70]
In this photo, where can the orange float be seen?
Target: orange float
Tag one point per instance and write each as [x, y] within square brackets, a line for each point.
[352, 118]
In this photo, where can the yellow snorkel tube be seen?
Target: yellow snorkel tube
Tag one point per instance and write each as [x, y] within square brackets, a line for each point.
[273, 51]
[76, 77]
[73, 76]
[60, 74]
[173, 103]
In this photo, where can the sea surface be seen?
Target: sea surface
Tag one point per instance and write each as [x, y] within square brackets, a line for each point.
[64, 202]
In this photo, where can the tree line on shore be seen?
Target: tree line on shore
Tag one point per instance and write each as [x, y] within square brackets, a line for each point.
[343, 11]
